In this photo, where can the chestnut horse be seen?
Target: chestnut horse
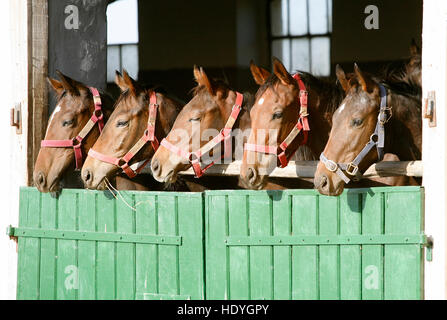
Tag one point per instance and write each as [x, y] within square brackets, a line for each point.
[197, 124]
[75, 107]
[276, 112]
[138, 111]
[378, 115]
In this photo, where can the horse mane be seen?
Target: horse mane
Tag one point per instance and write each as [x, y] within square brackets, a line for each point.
[395, 76]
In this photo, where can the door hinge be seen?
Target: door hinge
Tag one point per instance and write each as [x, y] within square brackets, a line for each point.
[16, 118]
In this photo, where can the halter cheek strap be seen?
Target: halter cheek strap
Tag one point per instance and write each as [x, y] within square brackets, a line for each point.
[76, 143]
[148, 137]
[301, 126]
[377, 140]
[225, 135]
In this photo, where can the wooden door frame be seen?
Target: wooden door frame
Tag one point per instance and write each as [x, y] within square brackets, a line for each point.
[37, 83]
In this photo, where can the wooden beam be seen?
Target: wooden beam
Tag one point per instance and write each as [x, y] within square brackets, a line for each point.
[306, 169]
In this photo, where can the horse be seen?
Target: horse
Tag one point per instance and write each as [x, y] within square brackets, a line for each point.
[214, 107]
[79, 112]
[278, 115]
[382, 113]
[141, 117]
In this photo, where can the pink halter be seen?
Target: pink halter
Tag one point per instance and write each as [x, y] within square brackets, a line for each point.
[148, 136]
[301, 125]
[76, 143]
[224, 135]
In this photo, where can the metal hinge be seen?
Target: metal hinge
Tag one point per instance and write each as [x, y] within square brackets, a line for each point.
[16, 118]
[429, 248]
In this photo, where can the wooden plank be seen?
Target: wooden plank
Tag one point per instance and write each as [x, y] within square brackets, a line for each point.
[105, 260]
[372, 255]
[168, 254]
[239, 272]
[403, 262]
[216, 250]
[146, 254]
[67, 266]
[87, 249]
[329, 256]
[306, 169]
[29, 248]
[305, 278]
[282, 263]
[191, 258]
[125, 252]
[350, 255]
[261, 257]
[48, 258]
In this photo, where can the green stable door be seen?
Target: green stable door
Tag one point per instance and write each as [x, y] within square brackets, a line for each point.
[296, 244]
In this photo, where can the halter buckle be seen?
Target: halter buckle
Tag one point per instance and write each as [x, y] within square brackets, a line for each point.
[331, 165]
[352, 169]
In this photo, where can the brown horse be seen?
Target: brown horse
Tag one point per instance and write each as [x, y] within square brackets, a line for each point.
[275, 114]
[197, 124]
[372, 106]
[75, 107]
[126, 126]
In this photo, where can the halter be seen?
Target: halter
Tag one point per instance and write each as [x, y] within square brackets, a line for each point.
[301, 125]
[148, 136]
[377, 139]
[76, 143]
[224, 135]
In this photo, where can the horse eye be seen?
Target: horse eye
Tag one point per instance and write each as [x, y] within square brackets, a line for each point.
[67, 123]
[194, 119]
[277, 115]
[122, 123]
[357, 122]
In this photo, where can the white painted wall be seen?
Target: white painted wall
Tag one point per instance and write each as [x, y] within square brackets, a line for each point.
[13, 84]
[434, 155]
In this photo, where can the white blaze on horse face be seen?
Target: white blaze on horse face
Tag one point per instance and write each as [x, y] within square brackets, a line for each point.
[261, 101]
[58, 108]
[342, 107]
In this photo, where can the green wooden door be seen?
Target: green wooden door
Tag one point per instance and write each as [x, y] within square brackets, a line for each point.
[89, 245]
[297, 244]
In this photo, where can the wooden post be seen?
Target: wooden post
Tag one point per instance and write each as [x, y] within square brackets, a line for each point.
[38, 71]
[434, 155]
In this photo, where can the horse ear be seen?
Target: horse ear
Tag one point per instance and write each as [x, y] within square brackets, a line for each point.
[130, 83]
[68, 83]
[56, 85]
[120, 81]
[282, 73]
[414, 48]
[366, 84]
[259, 74]
[341, 76]
[203, 80]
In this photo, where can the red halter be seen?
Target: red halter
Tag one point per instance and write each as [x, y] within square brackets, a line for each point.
[148, 136]
[224, 135]
[76, 143]
[301, 125]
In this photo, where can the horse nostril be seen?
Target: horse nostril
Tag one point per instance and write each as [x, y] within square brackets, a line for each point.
[155, 166]
[324, 182]
[40, 179]
[251, 175]
[87, 176]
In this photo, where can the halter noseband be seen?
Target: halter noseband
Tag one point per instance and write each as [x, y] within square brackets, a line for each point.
[301, 125]
[148, 136]
[76, 143]
[224, 135]
[377, 139]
